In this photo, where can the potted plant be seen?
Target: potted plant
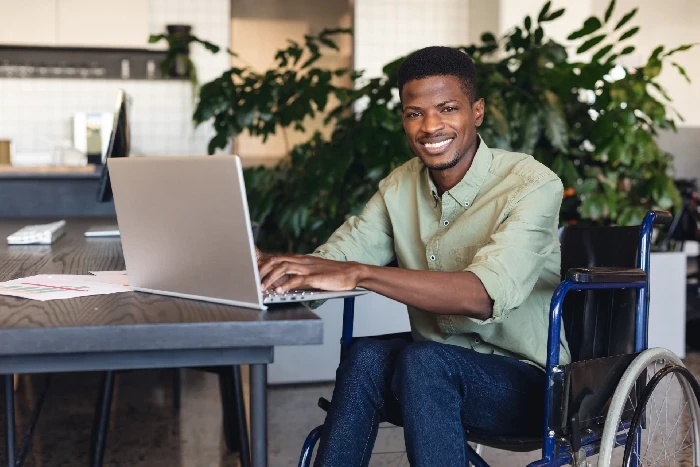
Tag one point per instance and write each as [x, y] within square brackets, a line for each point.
[177, 62]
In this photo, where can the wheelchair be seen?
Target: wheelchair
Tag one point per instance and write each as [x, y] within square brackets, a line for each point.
[618, 402]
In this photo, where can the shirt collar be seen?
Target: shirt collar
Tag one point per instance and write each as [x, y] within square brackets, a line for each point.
[466, 190]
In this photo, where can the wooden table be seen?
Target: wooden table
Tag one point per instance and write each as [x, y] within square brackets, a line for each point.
[133, 330]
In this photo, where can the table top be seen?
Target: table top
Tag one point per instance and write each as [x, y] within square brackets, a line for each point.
[129, 321]
[90, 171]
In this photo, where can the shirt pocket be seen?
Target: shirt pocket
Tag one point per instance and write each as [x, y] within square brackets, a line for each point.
[463, 256]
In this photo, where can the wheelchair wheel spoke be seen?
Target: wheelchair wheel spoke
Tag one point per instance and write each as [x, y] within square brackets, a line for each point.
[663, 433]
[658, 419]
[683, 448]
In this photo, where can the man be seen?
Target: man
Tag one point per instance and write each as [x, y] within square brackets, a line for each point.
[474, 231]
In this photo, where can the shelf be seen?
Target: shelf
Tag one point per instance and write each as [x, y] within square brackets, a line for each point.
[18, 61]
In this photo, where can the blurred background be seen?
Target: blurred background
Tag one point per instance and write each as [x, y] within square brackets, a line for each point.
[604, 93]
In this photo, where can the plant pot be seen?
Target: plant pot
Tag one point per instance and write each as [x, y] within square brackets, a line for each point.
[180, 50]
[181, 66]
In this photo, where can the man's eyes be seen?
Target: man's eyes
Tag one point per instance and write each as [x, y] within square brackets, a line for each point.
[418, 114]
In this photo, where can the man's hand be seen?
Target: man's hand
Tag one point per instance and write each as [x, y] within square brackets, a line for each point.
[260, 256]
[308, 272]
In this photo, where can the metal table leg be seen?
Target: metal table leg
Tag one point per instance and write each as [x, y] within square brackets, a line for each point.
[10, 419]
[258, 414]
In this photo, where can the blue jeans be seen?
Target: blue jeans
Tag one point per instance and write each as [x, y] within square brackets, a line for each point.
[437, 392]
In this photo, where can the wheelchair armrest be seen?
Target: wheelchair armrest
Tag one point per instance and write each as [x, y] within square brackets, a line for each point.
[663, 218]
[605, 275]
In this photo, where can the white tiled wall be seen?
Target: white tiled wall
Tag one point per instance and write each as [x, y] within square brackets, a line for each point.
[388, 29]
[36, 114]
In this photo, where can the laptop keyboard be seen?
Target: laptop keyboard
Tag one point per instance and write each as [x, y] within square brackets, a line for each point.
[288, 296]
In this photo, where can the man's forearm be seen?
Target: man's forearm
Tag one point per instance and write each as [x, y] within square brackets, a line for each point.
[448, 293]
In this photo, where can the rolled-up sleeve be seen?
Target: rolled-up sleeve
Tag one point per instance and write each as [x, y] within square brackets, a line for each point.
[366, 238]
[511, 263]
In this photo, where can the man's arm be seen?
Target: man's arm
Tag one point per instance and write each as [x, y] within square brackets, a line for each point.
[500, 278]
[366, 238]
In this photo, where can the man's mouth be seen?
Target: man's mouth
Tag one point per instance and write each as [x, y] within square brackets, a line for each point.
[437, 147]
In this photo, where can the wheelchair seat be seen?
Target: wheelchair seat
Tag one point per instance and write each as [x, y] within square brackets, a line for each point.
[506, 443]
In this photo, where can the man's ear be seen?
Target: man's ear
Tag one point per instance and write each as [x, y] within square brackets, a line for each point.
[478, 112]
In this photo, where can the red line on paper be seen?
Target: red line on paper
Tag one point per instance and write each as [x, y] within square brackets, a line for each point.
[55, 287]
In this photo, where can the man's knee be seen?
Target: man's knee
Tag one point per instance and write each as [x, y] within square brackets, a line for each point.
[367, 358]
[422, 353]
[423, 358]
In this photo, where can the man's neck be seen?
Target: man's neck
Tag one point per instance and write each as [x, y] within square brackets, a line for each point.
[445, 180]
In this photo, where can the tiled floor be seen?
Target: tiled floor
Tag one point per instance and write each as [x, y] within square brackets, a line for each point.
[146, 431]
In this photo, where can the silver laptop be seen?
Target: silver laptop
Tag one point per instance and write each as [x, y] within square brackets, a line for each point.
[185, 231]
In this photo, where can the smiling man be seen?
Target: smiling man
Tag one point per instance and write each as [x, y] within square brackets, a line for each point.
[474, 232]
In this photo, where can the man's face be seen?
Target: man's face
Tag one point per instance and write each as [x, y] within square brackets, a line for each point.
[439, 121]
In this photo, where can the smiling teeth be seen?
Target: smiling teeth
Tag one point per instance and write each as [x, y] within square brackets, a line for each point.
[441, 144]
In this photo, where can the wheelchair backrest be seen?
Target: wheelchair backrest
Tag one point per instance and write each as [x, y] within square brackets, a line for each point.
[599, 323]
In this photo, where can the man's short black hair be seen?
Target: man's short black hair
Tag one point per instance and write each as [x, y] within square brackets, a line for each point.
[440, 61]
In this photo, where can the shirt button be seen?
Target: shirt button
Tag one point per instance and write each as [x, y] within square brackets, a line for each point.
[446, 222]
[432, 257]
[466, 203]
[477, 341]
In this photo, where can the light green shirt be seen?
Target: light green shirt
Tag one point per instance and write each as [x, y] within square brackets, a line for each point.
[499, 222]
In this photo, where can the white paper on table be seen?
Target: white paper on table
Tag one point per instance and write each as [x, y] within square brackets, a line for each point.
[113, 277]
[59, 286]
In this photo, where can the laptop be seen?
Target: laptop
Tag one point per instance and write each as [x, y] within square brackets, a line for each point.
[186, 232]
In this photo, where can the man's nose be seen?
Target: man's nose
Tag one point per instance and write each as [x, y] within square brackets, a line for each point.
[432, 123]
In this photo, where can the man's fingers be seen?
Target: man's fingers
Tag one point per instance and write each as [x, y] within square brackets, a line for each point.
[295, 282]
[268, 265]
[283, 268]
[276, 271]
[271, 262]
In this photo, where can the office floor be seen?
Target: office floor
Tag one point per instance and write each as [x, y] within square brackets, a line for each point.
[145, 431]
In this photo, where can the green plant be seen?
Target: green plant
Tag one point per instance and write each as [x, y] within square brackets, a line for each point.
[177, 61]
[261, 103]
[592, 121]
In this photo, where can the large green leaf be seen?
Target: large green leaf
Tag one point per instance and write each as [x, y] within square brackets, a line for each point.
[539, 34]
[629, 33]
[587, 186]
[555, 14]
[602, 52]
[631, 215]
[625, 19]
[555, 122]
[609, 11]
[543, 12]
[529, 131]
[590, 26]
[593, 207]
[590, 43]
[488, 37]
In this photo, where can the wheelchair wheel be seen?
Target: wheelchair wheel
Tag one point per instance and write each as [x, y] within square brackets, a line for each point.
[654, 413]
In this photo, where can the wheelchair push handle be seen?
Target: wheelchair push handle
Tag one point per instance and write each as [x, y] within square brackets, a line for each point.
[662, 218]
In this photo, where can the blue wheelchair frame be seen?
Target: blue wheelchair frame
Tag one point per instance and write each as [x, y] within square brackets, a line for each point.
[591, 444]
